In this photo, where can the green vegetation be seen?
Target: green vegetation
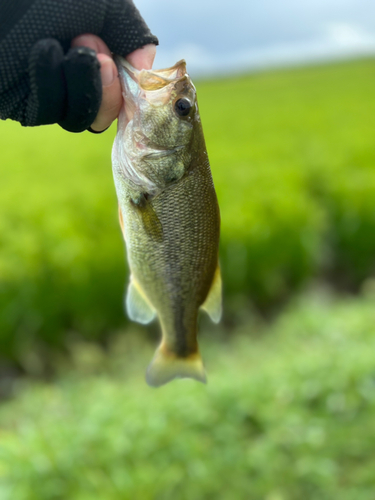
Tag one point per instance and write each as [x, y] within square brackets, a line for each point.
[293, 154]
[293, 157]
[288, 414]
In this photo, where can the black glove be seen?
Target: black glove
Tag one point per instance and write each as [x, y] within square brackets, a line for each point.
[42, 80]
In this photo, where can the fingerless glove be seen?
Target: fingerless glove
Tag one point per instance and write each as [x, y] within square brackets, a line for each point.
[43, 80]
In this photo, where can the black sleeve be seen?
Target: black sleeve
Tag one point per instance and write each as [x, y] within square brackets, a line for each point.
[42, 80]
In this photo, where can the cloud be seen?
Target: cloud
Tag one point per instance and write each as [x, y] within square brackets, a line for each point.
[336, 41]
[351, 36]
[216, 36]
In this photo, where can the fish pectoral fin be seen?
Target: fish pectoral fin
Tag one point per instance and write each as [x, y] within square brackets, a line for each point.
[212, 304]
[165, 366]
[150, 220]
[137, 306]
[151, 223]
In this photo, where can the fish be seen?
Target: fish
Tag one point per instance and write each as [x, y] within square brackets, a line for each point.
[169, 215]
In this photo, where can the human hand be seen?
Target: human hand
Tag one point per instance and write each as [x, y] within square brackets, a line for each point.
[142, 58]
[43, 79]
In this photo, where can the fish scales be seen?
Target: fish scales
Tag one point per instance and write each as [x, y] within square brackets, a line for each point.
[171, 220]
[181, 267]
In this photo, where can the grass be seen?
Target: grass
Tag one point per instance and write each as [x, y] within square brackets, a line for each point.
[293, 159]
[288, 413]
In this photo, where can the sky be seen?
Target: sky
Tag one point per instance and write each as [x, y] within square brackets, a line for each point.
[217, 37]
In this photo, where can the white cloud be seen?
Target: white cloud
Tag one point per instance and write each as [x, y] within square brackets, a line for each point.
[196, 56]
[348, 35]
[217, 36]
[336, 41]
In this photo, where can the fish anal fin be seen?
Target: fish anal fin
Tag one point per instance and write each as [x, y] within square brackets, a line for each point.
[166, 366]
[137, 306]
[212, 304]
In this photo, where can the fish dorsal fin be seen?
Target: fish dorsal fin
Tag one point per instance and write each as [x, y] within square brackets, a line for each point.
[212, 304]
[137, 306]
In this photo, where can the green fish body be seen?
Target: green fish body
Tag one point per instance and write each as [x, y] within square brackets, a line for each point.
[168, 213]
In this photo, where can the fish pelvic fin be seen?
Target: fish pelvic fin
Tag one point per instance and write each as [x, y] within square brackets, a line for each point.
[165, 366]
[212, 304]
[121, 220]
[137, 305]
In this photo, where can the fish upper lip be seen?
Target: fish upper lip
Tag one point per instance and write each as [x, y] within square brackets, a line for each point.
[150, 79]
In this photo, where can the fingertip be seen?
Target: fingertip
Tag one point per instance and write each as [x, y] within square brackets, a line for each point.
[91, 41]
[108, 69]
[143, 58]
[112, 96]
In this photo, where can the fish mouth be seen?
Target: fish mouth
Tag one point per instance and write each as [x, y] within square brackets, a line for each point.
[149, 79]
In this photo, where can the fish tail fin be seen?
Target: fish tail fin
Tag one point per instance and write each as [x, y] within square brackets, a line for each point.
[165, 366]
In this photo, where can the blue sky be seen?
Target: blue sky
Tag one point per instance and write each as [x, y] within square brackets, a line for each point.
[220, 37]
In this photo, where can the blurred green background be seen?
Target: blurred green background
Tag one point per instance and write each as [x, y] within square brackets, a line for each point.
[289, 409]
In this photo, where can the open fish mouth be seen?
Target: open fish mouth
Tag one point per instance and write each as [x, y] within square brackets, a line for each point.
[149, 79]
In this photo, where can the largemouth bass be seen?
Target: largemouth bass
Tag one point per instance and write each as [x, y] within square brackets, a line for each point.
[168, 213]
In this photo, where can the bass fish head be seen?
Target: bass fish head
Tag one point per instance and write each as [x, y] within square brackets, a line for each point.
[156, 124]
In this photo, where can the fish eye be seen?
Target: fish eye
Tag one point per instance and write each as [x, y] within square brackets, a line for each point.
[182, 106]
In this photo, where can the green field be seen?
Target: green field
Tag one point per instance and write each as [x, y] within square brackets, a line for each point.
[287, 414]
[293, 159]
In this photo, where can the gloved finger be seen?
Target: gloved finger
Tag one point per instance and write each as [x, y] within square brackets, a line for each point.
[47, 98]
[84, 89]
[111, 89]
[112, 97]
